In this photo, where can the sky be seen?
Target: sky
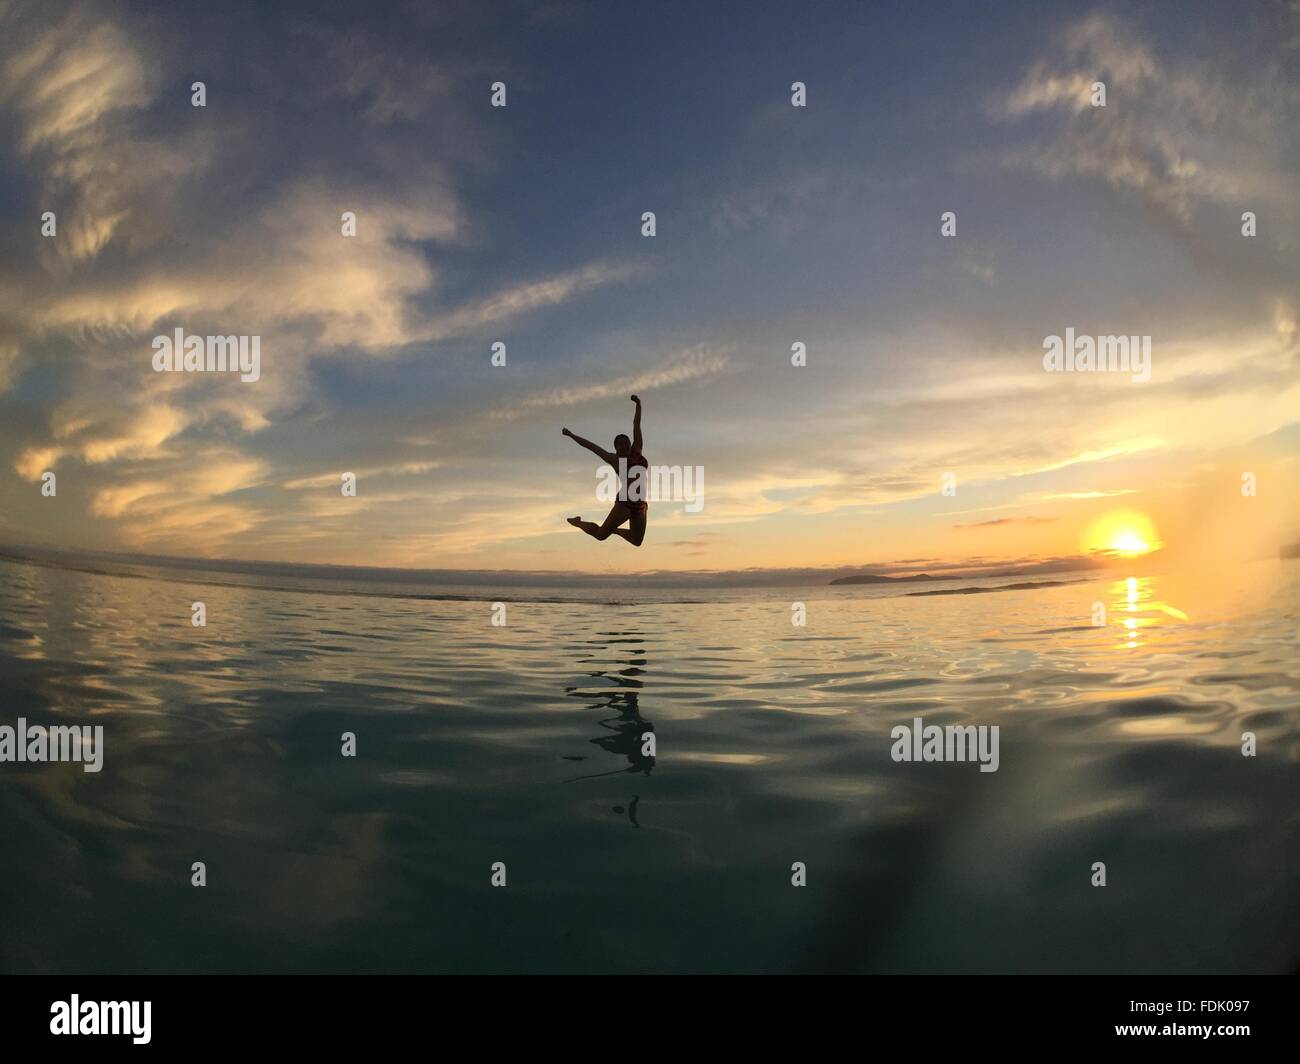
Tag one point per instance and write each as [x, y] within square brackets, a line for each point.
[774, 225]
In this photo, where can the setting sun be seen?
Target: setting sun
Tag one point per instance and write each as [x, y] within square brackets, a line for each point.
[1129, 543]
[1125, 534]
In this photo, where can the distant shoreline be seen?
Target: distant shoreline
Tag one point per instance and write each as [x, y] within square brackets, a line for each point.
[690, 580]
[1024, 586]
[874, 578]
[261, 577]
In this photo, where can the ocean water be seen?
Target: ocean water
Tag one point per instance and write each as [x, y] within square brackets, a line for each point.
[1120, 743]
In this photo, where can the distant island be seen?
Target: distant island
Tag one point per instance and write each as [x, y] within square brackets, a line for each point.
[873, 578]
[1027, 585]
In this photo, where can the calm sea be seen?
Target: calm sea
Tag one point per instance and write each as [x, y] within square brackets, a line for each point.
[1120, 743]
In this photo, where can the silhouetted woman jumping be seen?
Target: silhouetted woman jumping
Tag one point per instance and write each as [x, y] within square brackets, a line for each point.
[630, 506]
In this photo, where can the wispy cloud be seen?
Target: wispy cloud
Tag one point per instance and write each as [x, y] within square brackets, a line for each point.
[998, 521]
[1178, 134]
[1089, 494]
[692, 364]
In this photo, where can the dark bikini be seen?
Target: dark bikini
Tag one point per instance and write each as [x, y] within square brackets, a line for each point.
[638, 506]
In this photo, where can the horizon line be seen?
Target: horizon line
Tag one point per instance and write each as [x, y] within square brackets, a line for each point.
[939, 569]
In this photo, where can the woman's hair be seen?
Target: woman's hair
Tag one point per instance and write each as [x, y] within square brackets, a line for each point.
[624, 439]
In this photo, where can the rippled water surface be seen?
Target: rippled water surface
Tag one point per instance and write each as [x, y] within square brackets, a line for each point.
[1120, 743]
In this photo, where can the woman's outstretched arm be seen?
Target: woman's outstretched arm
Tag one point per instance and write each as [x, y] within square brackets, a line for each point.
[590, 446]
[636, 425]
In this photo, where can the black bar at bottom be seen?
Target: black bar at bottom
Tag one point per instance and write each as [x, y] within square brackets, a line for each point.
[340, 1014]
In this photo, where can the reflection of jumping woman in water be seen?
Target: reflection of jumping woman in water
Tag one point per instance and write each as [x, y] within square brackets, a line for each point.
[627, 453]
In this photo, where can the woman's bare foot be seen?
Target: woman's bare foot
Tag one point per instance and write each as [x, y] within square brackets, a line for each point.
[576, 522]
